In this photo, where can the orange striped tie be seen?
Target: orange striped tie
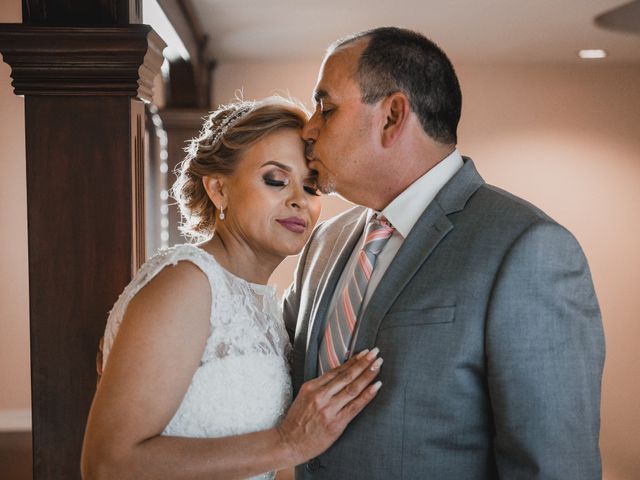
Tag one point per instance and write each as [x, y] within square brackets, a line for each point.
[338, 332]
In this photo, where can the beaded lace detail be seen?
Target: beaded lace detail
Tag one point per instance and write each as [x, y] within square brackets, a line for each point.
[243, 382]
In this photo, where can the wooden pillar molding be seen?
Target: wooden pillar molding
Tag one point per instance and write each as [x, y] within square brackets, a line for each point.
[71, 61]
[84, 90]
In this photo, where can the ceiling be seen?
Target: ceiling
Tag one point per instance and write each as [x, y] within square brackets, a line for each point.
[470, 31]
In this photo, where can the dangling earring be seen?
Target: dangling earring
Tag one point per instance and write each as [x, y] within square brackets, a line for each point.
[221, 213]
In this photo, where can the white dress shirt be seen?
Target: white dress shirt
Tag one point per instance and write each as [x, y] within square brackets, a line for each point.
[402, 213]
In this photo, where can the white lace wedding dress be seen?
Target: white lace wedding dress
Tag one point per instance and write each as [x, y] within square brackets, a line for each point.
[243, 382]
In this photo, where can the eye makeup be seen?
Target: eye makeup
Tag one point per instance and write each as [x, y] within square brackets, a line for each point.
[272, 181]
[311, 190]
[311, 184]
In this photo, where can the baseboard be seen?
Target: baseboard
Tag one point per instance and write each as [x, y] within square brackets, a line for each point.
[16, 420]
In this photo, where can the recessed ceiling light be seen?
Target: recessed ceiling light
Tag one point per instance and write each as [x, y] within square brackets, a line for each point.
[592, 53]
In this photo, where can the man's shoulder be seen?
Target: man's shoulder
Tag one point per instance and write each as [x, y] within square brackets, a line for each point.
[334, 225]
[494, 200]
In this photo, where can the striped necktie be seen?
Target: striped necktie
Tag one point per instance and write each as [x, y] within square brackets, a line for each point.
[342, 321]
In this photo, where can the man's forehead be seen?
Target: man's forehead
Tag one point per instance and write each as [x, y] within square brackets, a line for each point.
[337, 71]
[344, 59]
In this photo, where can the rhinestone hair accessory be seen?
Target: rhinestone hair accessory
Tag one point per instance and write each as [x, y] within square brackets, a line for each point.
[231, 120]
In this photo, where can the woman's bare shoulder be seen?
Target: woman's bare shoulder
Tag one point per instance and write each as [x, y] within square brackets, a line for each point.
[182, 283]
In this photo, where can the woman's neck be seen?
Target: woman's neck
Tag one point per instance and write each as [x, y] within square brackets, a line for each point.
[239, 258]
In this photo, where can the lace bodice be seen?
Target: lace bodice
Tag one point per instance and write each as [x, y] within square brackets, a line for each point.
[243, 383]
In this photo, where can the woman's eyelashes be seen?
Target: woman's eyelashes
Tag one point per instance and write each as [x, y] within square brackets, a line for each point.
[272, 181]
[275, 182]
[312, 190]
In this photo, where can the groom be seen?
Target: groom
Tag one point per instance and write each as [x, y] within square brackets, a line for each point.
[482, 306]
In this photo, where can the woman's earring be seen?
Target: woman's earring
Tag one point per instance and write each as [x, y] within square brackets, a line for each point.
[221, 213]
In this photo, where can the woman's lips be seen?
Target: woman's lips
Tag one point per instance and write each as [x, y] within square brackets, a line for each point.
[294, 224]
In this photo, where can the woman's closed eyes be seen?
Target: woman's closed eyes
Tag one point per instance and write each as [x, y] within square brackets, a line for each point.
[271, 180]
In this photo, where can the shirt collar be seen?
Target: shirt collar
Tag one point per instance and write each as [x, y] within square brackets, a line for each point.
[403, 212]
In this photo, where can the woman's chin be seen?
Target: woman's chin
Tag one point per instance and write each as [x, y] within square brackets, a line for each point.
[287, 249]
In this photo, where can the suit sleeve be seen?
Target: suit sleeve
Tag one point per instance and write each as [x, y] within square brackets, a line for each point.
[545, 355]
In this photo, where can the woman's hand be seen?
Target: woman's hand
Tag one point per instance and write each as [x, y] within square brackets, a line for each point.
[325, 405]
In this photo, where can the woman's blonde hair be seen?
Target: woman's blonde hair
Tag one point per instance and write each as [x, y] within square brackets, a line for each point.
[226, 134]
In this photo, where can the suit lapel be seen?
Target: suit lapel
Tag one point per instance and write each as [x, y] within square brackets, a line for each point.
[427, 233]
[343, 247]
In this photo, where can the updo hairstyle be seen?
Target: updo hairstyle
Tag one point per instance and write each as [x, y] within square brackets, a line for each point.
[226, 134]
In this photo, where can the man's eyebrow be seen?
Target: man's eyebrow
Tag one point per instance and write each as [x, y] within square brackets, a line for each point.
[284, 167]
[319, 95]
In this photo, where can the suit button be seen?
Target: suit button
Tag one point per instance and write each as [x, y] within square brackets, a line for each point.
[313, 465]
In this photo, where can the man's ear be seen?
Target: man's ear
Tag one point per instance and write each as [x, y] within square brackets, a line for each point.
[214, 185]
[396, 108]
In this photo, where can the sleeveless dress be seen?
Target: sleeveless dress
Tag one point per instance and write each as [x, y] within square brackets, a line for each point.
[243, 383]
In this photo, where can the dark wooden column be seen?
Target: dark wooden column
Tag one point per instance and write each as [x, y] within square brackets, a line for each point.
[84, 89]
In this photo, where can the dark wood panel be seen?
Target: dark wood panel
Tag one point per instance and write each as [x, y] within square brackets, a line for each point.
[182, 91]
[81, 12]
[79, 191]
[15, 456]
[138, 184]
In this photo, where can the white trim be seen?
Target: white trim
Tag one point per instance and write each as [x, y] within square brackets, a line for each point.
[18, 420]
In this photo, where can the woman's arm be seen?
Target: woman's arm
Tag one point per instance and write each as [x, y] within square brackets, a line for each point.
[157, 350]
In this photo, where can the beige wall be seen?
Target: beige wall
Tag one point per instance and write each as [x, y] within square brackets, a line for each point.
[567, 139]
[15, 391]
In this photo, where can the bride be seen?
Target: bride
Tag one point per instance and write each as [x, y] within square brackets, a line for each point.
[196, 379]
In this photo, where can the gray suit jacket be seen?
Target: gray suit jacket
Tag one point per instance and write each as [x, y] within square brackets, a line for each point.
[492, 343]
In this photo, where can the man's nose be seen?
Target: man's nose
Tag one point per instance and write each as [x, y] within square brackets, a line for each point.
[310, 130]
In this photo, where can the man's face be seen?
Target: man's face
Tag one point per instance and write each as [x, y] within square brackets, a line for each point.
[340, 132]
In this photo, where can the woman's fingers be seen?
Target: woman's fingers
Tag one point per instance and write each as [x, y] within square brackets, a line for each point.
[333, 373]
[355, 406]
[324, 406]
[359, 384]
[356, 389]
[346, 377]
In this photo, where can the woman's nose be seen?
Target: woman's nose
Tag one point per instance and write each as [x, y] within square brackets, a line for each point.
[298, 198]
